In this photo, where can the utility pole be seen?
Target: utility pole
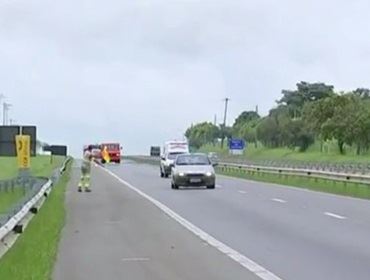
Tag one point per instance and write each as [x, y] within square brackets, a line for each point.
[224, 125]
[6, 107]
[2, 96]
[215, 120]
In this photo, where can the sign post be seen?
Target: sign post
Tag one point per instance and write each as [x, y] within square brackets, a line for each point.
[23, 146]
[236, 146]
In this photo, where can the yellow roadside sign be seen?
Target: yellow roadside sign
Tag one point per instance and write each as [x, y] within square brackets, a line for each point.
[23, 145]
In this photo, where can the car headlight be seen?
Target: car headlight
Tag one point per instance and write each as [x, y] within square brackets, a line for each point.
[181, 174]
[209, 174]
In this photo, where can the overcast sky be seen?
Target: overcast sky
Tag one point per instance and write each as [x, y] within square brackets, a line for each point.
[140, 72]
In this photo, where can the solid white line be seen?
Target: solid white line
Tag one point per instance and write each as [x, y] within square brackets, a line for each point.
[335, 216]
[278, 200]
[247, 263]
[242, 192]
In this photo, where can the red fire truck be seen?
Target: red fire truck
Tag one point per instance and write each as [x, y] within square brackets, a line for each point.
[114, 150]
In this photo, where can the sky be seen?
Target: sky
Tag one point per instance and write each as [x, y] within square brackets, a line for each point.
[141, 72]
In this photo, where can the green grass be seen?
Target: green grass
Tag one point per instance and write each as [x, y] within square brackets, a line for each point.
[7, 199]
[313, 154]
[328, 186]
[34, 254]
[40, 166]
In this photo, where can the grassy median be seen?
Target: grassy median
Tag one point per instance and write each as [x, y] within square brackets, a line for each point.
[328, 186]
[34, 254]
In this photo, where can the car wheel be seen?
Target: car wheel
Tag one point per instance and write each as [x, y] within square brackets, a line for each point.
[211, 187]
[174, 186]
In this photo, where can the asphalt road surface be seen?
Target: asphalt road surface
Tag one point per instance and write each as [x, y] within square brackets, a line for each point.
[296, 234]
[114, 233]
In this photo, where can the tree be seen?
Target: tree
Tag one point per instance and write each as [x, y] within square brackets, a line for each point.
[306, 92]
[201, 134]
[362, 93]
[295, 134]
[268, 132]
[248, 131]
[245, 117]
[334, 118]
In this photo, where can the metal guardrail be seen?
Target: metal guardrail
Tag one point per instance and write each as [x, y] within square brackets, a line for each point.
[36, 190]
[341, 167]
[299, 172]
[284, 171]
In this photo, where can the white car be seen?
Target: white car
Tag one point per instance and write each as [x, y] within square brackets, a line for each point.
[167, 162]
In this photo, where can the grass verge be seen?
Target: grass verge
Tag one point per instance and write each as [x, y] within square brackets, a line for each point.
[40, 166]
[328, 186]
[34, 254]
[313, 154]
[7, 198]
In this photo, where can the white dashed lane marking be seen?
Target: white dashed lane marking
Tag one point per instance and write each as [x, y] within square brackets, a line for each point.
[242, 192]
[336, 216]
[278, 200]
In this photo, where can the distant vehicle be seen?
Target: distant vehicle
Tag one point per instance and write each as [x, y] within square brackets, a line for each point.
[213, 157]
[96, 151]
[171, 150]
[155, 151]
[114, 150]
[193, 170]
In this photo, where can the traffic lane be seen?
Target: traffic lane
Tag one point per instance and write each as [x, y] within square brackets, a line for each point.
[113, 233]
[288, 241]
[357, 210]
[304, 206]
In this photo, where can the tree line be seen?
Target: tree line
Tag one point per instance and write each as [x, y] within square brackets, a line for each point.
[312, 112]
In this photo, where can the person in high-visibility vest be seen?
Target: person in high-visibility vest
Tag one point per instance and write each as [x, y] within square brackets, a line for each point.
[86, 170]
[105, 155]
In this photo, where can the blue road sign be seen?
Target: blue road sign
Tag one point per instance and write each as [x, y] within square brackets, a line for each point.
[236, 144]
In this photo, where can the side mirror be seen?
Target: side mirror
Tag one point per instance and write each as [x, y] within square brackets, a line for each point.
[162, 158]
[214, 164]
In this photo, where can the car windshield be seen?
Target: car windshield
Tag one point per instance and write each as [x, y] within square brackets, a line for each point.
[193, 160]
[173, 156]
[112, 146]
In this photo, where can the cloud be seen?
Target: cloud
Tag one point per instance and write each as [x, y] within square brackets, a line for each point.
[142, 71]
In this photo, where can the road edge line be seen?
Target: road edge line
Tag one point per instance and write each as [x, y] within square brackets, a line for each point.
[247, 263]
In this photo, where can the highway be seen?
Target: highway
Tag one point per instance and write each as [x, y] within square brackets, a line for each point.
[292, 233]
[114, 233]
[295, 234]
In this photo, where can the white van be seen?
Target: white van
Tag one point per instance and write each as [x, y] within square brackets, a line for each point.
[170, 151]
